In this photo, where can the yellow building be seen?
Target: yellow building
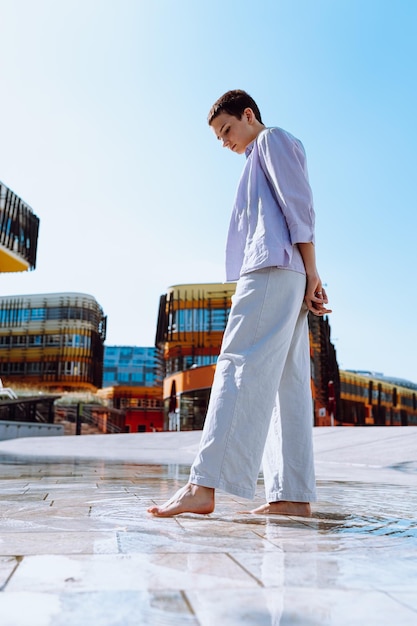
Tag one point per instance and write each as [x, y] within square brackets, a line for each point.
[372, 399]
[191, 322]
[19, 229]
[52, 341]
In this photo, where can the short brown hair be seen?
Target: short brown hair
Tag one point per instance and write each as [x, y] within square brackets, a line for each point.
[234, 103]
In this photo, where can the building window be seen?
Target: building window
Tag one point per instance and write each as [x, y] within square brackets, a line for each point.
[37, 314]
[207, 320]
[50, 367]
[34, 368]
[17, 368]
[35, 340]
[53, 340]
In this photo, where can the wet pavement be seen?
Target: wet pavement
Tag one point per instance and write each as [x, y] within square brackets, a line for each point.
[77, 546]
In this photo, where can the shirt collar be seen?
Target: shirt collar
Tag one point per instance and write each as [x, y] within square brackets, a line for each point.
[249, 148]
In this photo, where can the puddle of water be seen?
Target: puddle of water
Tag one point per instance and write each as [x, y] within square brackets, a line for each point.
[377, 526]
[369, 509]
[344, 507]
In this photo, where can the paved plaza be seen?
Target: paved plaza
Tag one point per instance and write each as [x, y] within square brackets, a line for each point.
[78, 548]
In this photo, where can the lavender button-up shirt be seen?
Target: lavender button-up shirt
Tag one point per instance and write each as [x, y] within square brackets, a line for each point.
[273, 209]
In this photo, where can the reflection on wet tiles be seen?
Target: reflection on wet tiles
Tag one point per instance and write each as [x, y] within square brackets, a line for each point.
[24, 496]
[409, 467]
[76, 520]
[7, 566]
[356, 498]
[406, 598]
[221, 539]
[91, 554]
[61, 485]
[298, 607]
[374, 509]
[24, 609]
[359, 570]
[378, 526]
[122, 608]
[126, 512]
[120, 572]
[58, 543]
[257, 522]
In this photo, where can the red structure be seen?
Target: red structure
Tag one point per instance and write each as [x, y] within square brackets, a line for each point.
[142, 407]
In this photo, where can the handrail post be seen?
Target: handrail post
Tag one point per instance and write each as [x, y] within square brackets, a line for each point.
[79, 418]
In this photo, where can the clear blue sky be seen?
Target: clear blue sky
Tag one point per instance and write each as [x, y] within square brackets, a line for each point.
[103, 133]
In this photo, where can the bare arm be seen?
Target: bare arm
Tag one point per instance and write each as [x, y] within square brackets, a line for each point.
[315, 296]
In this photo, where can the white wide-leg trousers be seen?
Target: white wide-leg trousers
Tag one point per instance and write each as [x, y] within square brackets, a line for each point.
[260, 407]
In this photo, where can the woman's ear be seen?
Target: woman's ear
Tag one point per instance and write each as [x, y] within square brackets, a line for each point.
[249, 115]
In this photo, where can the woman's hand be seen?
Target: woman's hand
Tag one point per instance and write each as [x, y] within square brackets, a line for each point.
[315, 296]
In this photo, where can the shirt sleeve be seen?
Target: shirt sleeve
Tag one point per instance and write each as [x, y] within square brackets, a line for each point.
[283, 161]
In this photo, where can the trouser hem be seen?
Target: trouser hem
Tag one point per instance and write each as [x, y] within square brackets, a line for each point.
[234, 490]
[293, 497]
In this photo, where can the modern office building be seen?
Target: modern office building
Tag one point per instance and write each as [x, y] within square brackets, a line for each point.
[52, 341]
[19, 229]
[190, 327]
[132, 383]
[372, 399]
[191, 322]
[130, 366]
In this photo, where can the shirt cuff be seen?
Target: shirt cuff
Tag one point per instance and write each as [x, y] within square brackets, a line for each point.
[301, 234]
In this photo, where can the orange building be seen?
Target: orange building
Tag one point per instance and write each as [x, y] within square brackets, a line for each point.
[191, 322]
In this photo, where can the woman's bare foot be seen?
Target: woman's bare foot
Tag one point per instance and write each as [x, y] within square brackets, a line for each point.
[188, 499]
[283, 507]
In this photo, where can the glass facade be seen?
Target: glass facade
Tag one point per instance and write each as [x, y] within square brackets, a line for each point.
[190, 328]
[52, 340]
[130, 365]
[191, 322]
[198, 319]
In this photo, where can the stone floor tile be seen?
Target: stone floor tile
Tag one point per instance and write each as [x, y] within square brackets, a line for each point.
[128, 572]
[29, 609]
[32, 543]
[110, 608]
[237, 523]
[10, 497]
[7, 566]
[366, 571]
[406, 598]
[61, 485]
[193, 539]
[88, 550]
[298, 607]
[305, 543]
[46, 511]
